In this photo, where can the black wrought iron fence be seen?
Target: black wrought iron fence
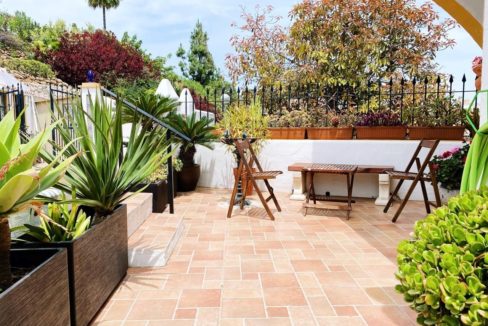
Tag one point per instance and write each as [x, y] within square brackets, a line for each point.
[410, 99]
[62, 98]
[12, 98]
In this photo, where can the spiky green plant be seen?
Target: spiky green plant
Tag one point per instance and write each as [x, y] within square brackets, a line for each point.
[106, 171]
[63, 222]
[198, 131]
[153, 104]
[20, 182]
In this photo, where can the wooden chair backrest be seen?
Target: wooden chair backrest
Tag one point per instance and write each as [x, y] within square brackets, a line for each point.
[428, 144]
[247, 154]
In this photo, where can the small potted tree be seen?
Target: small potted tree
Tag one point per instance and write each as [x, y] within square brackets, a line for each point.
[290, 125]
[379, 125]
[199, 131]
[244, 119]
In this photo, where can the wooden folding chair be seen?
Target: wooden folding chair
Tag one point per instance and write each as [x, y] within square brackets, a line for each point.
[419, 176]
[248, 159]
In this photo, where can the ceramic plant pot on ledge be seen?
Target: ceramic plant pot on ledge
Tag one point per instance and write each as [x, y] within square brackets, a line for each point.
[159, 190]
[97, 262]
[330, 133]
[383, 132]
[188, 178]
[287, 133]
[446, 194]
[41, 297]
[442, 133]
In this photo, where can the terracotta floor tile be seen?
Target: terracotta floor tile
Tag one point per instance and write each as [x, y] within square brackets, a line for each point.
[309, 265]
[278, 280]
[185, 313]
[290, 296]
[346, 296]
[152, 310]
[318, 269]
[243, 308]
[194, 298]
[277, 311]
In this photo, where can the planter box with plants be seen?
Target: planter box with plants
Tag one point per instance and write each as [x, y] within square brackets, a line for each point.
[33, 283]
[290, 125]
[200, 132]
[379, 125]
[442, 269]
[40, 296]
[100, 179]
[330, 126]
[439, 118]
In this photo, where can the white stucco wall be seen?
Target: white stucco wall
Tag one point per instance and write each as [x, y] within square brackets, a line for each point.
[217, 165]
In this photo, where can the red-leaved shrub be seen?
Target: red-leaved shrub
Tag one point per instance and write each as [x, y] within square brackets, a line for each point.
[98, 51]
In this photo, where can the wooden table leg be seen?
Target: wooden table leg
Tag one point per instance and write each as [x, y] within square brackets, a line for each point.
[350, 183]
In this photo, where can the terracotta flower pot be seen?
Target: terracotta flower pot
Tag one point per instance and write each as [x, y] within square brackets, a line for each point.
[287, 133]
[442, 133]
[383, 132]
[330, 133]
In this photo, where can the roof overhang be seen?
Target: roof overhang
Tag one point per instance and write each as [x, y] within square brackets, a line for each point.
[468, 13]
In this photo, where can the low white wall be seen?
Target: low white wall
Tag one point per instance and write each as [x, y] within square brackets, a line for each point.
[217, 164]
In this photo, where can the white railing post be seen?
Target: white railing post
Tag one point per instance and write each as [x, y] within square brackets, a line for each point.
[90, 92]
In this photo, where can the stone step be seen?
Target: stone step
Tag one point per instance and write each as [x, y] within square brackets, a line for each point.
[139, 208]
[153, 243]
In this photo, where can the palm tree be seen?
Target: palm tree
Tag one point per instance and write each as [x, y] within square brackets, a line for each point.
[104, 4]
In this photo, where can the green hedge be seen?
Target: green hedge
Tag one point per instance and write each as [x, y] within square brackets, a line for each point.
[32, 67]
[443, 269]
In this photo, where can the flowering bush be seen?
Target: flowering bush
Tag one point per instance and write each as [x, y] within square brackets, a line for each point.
[99, 51]
[449, 167]
[376, 119]
[295, 118]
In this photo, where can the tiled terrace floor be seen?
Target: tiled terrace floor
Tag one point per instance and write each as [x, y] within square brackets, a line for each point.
[248, 270]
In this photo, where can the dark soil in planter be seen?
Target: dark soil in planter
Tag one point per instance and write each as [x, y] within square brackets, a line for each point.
[188, 178]
[159, 190]
[40, 296]
[97, 263]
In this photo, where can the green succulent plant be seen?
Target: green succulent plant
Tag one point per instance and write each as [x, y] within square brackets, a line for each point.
[20, 182]
[199, 131]
[157, 106]
[443, 270]
[106, 172]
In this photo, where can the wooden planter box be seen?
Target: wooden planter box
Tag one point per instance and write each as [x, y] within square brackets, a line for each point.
[287, 133]
[97, 262]
[394, 132]
[159, 190]
[330, 133]
[41, 297]
[442, 133]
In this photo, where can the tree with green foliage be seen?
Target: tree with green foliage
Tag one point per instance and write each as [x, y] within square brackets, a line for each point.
[200, 67]
[105, 5]
[20, 24]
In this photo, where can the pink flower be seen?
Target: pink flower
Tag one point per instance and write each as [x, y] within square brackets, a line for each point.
[434, 167]
[477, 60]
[455, 150]
[446, 154]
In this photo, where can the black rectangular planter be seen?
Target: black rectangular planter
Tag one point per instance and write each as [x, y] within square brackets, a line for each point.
[97, 262]
[159, 190]
[41, 297]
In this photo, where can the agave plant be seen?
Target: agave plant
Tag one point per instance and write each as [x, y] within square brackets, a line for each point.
[153, 104]
[20, 182]
[198, 131]
[106, 171]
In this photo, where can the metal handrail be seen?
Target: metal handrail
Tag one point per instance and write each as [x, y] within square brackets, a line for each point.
[147, 115]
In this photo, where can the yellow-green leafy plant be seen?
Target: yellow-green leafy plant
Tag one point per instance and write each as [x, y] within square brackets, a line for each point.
[245, 119]
[443, 269]
[20, 181]
[63, 222]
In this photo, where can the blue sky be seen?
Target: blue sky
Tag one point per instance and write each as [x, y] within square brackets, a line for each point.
[164, 24]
